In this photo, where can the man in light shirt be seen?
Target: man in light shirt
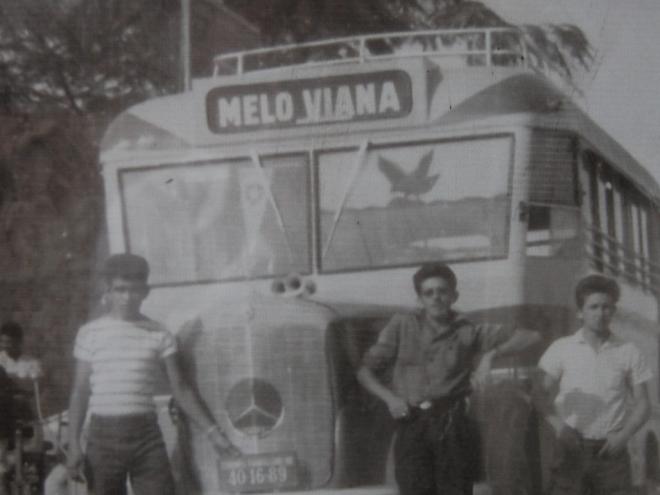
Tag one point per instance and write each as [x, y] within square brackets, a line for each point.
[599, 384]
[117, 358]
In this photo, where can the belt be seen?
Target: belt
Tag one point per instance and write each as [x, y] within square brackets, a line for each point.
[447, 410]
[125, 419]
[427, 404]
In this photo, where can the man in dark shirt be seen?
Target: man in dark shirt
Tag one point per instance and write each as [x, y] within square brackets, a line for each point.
[431, 355]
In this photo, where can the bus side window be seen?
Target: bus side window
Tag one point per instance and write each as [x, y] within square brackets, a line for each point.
[538, 231]
[591, 207]
[551, 231]
[619, 222]
[551, 214]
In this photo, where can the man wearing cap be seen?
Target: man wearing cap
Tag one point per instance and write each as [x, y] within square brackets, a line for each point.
[117, 357]
[431, 354]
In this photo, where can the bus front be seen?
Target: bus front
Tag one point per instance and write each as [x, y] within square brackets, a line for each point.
[283, 213]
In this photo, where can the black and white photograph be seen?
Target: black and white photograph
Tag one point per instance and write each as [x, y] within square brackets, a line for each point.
[329, 247]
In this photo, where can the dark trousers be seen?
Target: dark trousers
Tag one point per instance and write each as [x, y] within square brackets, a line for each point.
[436, 451]
[584, 472]
[131, 447]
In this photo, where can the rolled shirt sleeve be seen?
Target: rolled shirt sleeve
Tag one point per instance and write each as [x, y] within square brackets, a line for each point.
[383, 353]
[551, 361]
[83, 346]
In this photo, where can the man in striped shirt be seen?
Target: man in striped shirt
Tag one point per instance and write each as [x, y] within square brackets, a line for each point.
[118, 357]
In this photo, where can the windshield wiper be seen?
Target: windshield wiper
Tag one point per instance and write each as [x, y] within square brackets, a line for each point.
[358, 166]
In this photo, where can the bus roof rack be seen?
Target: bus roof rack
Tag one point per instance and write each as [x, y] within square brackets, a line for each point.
[468, 47]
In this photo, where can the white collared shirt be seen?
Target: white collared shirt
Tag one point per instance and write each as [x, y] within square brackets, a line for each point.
[594, 385]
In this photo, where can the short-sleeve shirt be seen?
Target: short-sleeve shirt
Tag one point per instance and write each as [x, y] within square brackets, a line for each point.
[431, 361]
[126, 360]
[594, 385]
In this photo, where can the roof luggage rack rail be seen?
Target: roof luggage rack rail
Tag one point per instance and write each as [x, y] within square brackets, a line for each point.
[467, 47]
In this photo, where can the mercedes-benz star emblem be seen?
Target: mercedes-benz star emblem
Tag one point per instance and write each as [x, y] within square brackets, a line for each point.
[254, 407]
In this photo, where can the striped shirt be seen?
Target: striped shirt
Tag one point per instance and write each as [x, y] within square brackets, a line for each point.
[126, 359]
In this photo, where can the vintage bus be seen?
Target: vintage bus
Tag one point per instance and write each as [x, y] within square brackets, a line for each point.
[285, 202]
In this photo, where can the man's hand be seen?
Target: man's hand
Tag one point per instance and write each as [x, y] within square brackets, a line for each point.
[398, 407]
[615, 444]
[222, 444]
[74, 462]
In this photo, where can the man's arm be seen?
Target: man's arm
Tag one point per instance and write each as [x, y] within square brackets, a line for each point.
[641, 410]
[188, 401]
[520, 340]
[77, 411]
[381, 356]
[397, 406]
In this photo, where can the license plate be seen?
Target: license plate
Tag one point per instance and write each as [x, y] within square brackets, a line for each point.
[259, 472]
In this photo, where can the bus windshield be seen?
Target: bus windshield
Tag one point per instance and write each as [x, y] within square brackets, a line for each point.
[220, 220]
[404, 204]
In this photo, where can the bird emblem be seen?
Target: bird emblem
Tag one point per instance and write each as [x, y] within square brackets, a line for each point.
[415, 183]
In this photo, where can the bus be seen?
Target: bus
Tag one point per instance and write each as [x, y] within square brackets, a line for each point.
[285, 202]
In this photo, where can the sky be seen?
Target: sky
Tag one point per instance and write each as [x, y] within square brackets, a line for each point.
[622, 89]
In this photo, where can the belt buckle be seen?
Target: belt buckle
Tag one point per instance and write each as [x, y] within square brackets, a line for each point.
[425, 405]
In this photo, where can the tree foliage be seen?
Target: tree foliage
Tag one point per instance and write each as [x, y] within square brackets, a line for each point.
[87, 55]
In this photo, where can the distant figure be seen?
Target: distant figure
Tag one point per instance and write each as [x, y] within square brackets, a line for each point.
[416, 183]
[592, 376]
[432, 357]
[12, 359]
[24, 372]
[117, 356]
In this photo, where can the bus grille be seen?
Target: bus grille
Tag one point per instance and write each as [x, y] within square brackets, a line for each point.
[267, 383]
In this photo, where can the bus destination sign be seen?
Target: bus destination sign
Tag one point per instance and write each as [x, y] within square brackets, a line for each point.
[302, 102]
